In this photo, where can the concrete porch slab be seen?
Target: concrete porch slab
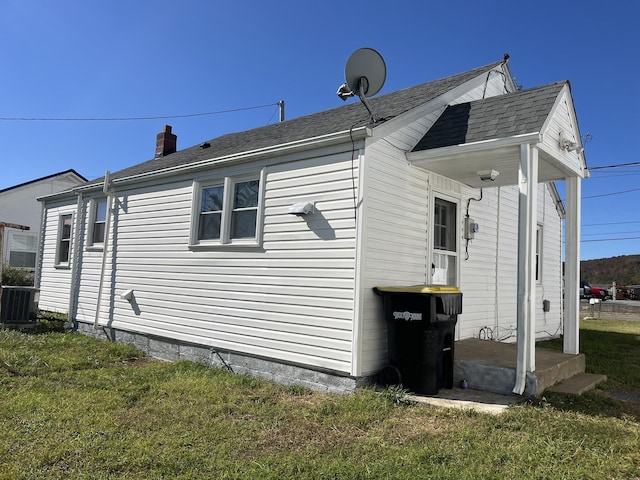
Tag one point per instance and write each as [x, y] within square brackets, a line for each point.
[491, 366]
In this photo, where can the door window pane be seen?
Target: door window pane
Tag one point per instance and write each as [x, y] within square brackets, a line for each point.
[444, 225]
[445, 245]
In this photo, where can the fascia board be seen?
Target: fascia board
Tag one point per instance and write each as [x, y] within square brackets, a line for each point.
[494, 143]
[247, 156]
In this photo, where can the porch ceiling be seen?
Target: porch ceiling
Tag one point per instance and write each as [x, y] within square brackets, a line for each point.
[462, 163]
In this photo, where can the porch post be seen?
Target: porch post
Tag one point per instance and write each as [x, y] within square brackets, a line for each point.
[571, 339]
[527, 220]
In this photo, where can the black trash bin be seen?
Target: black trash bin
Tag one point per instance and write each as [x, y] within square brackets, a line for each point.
[421, 321]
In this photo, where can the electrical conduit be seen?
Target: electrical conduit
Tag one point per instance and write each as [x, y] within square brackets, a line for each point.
[107, 228]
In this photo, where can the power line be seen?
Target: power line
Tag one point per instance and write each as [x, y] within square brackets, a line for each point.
[610, 194]
[123, 119]
[609, 239]
[608, 233]
[609, 223]
[615, 166]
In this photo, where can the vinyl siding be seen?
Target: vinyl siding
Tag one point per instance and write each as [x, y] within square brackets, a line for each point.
[549, 324]
[290, 299]
[55, 281]
[396, 210]
[394, 247]
[490, 289]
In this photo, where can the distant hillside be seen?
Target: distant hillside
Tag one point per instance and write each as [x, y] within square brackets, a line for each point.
[624, 270]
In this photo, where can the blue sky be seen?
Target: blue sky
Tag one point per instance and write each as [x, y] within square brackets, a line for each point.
[158, 58]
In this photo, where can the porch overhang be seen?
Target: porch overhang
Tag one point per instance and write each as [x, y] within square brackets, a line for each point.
[502, 155]
[524, 160]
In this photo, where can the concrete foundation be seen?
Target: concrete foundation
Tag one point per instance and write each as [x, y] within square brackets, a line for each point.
[488, 366]
[285, 374]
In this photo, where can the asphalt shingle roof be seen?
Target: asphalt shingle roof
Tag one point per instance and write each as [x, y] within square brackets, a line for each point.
[495, 117]
[315, 125]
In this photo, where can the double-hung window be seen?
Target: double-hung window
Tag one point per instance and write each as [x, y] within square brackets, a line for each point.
[22, 249]
[98, 222]
[226, 211]
[63, 251]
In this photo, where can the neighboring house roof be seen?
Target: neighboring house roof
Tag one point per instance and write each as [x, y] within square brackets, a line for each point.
[331, 121]
[71, 171]
[502, 116]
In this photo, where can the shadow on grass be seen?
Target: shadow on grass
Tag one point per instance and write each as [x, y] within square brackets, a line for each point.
[595, 403]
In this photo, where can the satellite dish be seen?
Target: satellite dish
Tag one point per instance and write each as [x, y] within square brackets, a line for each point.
[365, 74]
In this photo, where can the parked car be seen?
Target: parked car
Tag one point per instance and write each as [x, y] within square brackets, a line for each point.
[587, 291]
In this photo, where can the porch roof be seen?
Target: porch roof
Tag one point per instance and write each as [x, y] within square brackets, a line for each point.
[486, 135]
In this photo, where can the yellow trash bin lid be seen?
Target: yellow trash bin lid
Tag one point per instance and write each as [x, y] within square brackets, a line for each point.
[419, 289]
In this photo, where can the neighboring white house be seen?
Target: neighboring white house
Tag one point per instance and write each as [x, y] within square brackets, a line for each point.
[204, 253]
[20, 208]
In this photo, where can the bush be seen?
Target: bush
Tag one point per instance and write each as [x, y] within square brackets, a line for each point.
[17, 276]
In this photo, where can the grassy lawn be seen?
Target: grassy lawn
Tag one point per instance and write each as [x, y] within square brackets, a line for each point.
[72, 407]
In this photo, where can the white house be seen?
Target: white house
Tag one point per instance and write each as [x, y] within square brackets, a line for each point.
[20, 215]
[205, 253]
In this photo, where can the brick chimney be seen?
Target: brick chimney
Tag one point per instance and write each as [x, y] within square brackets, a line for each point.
[166, 142]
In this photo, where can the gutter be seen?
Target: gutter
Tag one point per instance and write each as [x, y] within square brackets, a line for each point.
[437, 153]
[250, 155]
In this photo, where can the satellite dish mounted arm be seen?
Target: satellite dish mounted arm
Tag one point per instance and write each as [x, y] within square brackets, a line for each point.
[363, 86]
[365, 74]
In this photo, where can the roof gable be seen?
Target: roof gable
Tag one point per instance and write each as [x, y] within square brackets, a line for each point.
[502, 116]
[69, 173]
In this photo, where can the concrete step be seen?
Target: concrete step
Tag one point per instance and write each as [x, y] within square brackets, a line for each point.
[491, 366]
[553, 368]
[578, 384]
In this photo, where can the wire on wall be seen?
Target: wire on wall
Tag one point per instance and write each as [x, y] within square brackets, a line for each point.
[466, 246]
[500, 72]
[353, 175]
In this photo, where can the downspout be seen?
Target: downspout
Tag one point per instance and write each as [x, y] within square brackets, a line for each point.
[527, 209]
[107, 227]
[75, 252]
[496, 283]
[358, 304]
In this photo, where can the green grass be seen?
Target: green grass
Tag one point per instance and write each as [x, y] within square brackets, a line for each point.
[611, 347]
[72, 407]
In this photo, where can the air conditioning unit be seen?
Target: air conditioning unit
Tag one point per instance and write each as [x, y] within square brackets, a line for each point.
[19, 306]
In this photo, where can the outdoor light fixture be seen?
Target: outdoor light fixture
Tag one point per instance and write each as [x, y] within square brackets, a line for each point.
[301, 208]
[128, 295]
[568, 145]
[488, 175]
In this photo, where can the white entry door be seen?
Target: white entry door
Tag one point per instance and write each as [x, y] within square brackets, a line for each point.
[445, 243]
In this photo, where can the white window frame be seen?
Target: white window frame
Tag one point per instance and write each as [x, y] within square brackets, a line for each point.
[226, 240]
[59, 239]
[93, 212]
[539, 253]
[454, 254]
[26, 233]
